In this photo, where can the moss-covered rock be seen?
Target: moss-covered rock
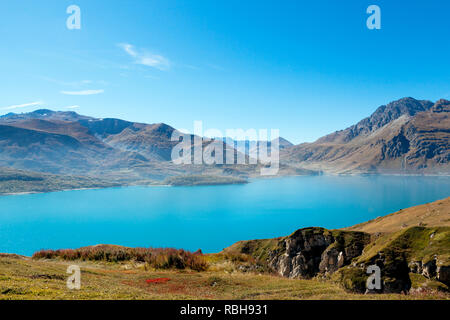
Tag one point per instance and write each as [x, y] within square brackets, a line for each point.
[306, 252]
[419, 283]
[352, 279]
[418, 250]
[346, 255]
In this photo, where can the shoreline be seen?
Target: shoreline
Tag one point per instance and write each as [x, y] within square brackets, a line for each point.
[80, 189]
[250, 180]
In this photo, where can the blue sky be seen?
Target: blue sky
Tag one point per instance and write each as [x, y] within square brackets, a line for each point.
[305, 67]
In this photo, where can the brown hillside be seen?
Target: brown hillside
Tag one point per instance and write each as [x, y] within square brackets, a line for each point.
[406, 136]
[434, 214]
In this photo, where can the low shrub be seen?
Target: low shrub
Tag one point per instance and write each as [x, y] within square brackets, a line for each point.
[158, 258]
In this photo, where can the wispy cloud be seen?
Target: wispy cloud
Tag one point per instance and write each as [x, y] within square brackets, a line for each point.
[31, 104]
[80, 83]
[82, 92]
[72, 107]
[145, 58]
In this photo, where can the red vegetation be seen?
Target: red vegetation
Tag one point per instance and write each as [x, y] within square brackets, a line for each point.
[157, 280]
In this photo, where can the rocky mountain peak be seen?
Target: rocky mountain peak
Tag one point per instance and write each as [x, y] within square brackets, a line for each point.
[163, 129]
[45, 114]
[382, 116]
[388, 113]
[441, 105]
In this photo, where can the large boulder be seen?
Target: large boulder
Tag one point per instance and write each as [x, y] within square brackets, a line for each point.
[443, 274]
[429, 269]
[311, 251]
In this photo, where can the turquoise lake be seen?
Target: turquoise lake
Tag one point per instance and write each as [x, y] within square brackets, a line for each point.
[206, 217]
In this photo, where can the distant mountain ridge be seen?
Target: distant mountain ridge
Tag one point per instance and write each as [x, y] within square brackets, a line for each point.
[407, 136]
[66, 143]
[403, 137]
[381, 117]
[253, 146]
[45, 114]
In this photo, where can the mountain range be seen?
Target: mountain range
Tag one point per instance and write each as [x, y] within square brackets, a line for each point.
[407, 136]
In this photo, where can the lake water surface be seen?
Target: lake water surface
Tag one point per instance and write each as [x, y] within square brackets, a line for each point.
[209, 217]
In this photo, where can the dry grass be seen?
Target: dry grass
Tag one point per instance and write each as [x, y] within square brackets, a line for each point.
[25, 278]
[435, 214]
[159, 258]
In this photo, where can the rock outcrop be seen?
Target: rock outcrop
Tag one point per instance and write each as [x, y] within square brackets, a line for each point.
[310, 251]
[443, 274]
[346, 256]
[307, 252]
[416, 250]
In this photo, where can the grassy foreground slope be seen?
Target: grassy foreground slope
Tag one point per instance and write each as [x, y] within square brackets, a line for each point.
[434, 214]
[412, 245]
[26, 278]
